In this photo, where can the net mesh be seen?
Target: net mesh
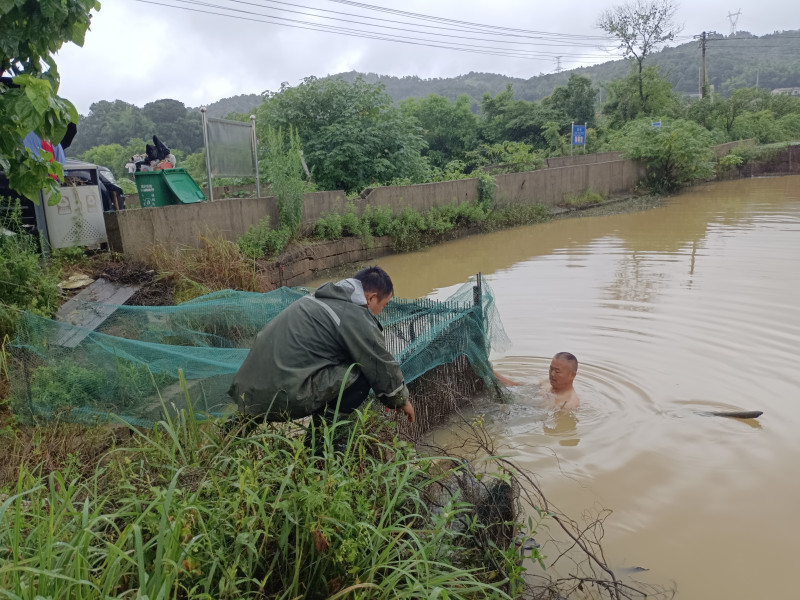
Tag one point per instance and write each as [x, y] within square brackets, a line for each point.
[143, 362]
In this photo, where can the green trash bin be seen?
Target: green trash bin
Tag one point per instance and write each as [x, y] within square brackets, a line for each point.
[184, 189]
[153, 189]
[170, 186]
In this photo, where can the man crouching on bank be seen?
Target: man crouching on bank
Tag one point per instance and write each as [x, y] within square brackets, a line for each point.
[299, 360]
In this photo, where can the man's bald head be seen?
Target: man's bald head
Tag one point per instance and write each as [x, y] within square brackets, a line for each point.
[570, 358]
[563, 368]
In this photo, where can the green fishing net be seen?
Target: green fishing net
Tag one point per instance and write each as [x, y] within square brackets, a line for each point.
[143, 363]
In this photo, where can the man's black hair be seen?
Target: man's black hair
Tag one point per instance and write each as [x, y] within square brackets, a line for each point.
[570, 358]
[375, 279]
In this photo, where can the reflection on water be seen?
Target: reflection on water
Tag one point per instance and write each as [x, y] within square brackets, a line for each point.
[686, 308]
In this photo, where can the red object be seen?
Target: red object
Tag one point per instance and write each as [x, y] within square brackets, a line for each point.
[48, 146]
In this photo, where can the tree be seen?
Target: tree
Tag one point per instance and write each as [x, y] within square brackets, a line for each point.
[625, 103]
[576, 100]
[641, 26]
[113, 156]
[449, 128]
[175, 125]
[504, 119]
[114, 122]
[676, 153]
[352, 135]
[31, 32]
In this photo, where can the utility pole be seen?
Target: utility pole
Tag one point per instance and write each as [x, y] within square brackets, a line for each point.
[559, 68]
[703, 87]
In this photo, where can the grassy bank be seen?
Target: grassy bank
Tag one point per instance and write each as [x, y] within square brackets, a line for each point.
[195, 510]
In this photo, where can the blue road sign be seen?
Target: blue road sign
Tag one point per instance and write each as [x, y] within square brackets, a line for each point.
[579, 135]
[656, 123]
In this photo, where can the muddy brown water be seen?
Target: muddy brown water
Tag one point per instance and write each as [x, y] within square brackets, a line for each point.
[692, 306]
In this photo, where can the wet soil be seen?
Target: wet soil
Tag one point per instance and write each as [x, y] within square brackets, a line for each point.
[154, 290]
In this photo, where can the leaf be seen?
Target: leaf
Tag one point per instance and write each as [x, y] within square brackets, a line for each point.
[27, 117]
[38, 91]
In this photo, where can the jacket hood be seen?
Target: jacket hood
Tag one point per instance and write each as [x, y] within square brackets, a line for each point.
[348, 290]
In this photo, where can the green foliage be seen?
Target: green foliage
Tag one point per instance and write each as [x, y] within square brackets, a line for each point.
[261, 240]
[505, 157]
[516, 214]
[487, 186]
[120, 122]
[195, 165]
[627, 102]
[193, 511]
[25, 283]
[32, 32]
[67, 385]
[410, 229]
[576, 100]
[283, 168]
[352, 135]
[113, 156]
[641, 27]
[677, 153]
[506, 119]
[587, 198]
[449, 128]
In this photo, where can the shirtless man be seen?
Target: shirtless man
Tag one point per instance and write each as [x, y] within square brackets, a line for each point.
[558, 387]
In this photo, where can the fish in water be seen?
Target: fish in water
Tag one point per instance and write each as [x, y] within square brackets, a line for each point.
[734, 414]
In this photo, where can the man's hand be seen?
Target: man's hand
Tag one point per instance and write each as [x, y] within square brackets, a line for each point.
[408, 409]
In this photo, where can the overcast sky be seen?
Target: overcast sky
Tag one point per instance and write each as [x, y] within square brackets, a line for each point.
[140, 51]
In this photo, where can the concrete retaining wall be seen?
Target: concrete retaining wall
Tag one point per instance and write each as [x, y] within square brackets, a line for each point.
[552, 186]
[724, 149]
[582, 159]
[422, 197]
[135, 232]
[303, 263]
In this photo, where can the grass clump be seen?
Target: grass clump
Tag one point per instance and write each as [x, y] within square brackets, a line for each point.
[194, 510]
[217, 265]
[587, 198]
[411, 230]
[261, 240]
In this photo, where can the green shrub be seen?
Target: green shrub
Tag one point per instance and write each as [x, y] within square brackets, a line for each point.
[329, 227]
[379, 219]
[26, 283]
[261, 240]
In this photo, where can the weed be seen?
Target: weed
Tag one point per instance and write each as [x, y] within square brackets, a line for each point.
[585, 199]
[190, 510]
[261, 240]
[26, 283]
[218, 264]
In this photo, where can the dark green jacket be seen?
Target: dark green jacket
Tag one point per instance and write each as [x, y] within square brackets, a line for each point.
[300, 358]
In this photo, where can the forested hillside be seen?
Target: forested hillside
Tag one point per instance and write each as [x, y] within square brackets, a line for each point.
[733, 62]
[736, 61]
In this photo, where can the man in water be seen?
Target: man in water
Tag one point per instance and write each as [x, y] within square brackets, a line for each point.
[300, 359]
[558, 387]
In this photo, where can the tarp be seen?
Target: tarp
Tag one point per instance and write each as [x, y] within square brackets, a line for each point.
[230, 149]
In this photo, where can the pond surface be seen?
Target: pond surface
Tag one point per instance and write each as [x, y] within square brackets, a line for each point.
[691, 306]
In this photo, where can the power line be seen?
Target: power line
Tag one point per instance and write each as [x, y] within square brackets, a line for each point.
[569, 38]
[368, 24]
[454, 21]
[300, 24]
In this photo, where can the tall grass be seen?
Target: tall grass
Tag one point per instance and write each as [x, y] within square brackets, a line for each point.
[218, 264]
[194, 510]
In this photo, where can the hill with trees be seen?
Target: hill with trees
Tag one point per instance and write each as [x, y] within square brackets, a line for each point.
[735, 61]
